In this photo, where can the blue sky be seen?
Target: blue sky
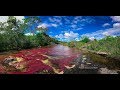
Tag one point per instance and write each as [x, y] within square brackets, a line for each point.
[67, 28]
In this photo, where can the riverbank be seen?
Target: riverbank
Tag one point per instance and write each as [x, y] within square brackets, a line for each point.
[108, 47]
[103, 54]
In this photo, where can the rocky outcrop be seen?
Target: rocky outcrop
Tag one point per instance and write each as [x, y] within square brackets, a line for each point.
[14, 62]
[7, 61]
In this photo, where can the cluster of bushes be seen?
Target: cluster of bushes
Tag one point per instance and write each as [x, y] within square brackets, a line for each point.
[11, 42]
[109, 44]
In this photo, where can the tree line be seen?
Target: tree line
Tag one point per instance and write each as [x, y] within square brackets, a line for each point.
[12, 34]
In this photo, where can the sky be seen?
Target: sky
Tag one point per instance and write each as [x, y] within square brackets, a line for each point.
[67, 28]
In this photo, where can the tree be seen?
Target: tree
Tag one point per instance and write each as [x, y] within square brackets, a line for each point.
[31, 23]
[42, 30]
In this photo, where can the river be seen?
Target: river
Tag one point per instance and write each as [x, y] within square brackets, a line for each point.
[57, 59]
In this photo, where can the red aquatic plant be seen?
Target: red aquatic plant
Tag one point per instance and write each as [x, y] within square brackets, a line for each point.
[2, 69]
[64, 62]
[32, 59]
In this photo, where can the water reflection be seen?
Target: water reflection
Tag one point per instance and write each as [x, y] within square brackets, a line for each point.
[61, 50]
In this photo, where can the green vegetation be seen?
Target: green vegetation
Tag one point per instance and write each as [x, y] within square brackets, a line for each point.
[12, 34]
[109, 45]
[77, 44]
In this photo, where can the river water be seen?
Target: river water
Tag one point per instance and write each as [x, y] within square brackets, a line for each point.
[58, 59]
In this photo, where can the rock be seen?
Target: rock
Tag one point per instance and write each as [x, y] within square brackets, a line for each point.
[84, 56]
[18, 59]
[82, 66]
[102, 53]
[107, 71]
[8, 60]
[57, 71]
[69, 67]
[89, 63]
[14, 62]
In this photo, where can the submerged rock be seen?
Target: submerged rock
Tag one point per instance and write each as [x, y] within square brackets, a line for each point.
[14, 62]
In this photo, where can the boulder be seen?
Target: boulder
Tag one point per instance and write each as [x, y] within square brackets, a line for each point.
[8, 60]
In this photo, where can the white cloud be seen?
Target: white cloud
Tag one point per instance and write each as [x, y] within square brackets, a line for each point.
[83, 19]
[92, 38]
[68, 36]
[79, 28]
[112, 31]
[116, 25]
[116, 18]
[74, 26]
[45, 25]
[56, 19]
[67, 20]
[102, 33]
[54, 25]
[3, 19]
[106, 24]
[97, 34]
[72, 22]
[71, 35]
[78, 17]
[75, 21]
[29, 34]
[59, 36]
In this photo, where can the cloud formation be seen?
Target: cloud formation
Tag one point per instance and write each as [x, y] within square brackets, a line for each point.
[115, 31]
[116, 18]
[73, 22]
[45, 25]
[106, 24]
[67, 36]
[116, 25]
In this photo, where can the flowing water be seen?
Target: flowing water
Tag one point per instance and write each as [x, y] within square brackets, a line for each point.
[57, 59]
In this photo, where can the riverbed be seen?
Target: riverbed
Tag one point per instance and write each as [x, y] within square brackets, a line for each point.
[57, 59]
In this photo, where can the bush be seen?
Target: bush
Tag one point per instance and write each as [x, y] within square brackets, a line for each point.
[109, 44]
[85, 39]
